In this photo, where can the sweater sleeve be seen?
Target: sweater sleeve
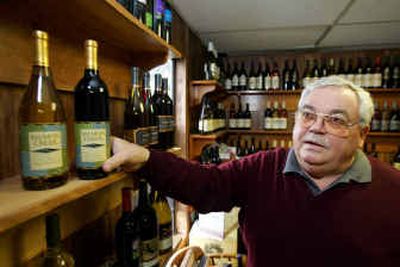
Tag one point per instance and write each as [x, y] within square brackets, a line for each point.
[207, 188]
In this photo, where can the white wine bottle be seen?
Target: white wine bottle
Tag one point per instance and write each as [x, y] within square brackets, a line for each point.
[55, 255]
[43, 137]
[92, 126]
[164, 219]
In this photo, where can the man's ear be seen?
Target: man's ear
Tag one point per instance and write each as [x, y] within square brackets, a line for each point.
[363, 134]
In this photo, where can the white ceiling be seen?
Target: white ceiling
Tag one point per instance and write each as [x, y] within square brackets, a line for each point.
[258, 25]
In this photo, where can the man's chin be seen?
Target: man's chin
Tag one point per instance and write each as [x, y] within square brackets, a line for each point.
[313, 158]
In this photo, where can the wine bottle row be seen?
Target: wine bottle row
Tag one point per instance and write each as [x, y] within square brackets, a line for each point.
[155, 14]
[149, 120]
[43, 131]
[144, 234]
[43, 134]
[364, 73]
[385, 119]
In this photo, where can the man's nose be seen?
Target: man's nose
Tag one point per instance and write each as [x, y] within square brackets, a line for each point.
[319, 125]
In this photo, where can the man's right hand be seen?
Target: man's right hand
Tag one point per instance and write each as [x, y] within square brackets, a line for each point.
[129, 156]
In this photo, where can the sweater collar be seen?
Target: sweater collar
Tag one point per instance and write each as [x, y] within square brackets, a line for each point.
[359, 171]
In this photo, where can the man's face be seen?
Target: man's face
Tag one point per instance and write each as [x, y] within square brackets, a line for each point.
[322, 148]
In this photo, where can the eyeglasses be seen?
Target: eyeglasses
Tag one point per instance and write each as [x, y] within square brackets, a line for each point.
[335, 124]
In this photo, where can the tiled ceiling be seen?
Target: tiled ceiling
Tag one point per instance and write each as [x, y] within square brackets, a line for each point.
[259, 25]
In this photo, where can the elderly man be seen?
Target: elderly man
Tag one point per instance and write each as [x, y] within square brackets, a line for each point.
[321, 203]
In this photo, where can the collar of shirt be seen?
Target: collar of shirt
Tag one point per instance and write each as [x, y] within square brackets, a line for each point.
[359, 171]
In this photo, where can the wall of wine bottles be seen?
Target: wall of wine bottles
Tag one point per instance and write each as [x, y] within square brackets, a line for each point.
[262, 93]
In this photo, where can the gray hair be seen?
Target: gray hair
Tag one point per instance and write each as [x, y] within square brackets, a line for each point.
[366, 105]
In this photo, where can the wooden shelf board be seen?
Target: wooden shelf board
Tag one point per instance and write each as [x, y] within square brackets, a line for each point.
[384, 134]
[263, 92]
[298, 91]
[19, 205]
[206, 83]
[208, 136]
[260, 131]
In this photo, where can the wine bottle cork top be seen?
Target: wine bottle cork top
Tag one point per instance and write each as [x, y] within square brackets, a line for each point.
[91, 42]
[40, 34]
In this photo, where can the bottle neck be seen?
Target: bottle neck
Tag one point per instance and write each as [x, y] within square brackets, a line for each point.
[126, 200]
[143, 196]
[91, 56]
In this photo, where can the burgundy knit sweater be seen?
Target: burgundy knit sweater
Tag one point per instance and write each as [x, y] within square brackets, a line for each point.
[283, 223]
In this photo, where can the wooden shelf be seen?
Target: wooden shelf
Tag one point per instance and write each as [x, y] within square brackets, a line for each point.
[212, 136]
[263, 92]
[123, 41]
[260, 132]
[384, 134]
[19, 205]
[207, 83]
[298, 91]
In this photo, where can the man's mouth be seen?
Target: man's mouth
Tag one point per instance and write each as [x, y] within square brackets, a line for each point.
[314, 143]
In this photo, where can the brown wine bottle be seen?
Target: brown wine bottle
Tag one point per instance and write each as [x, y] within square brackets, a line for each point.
[43, 134]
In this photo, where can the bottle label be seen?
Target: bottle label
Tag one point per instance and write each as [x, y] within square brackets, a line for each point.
[267, 82]
[165, 233]
[259, 80]
[149, 252]
[243, 80]
[214, 70]
[267, 123]
[168, 16]
[235, 81]
[204, 125]
[396, 165]
[375, 125]
[385, 125]
[377, 80]
[228, 84]
[252, 83]
[284, 123]
[240, 123]
[43, 149]
[358, 79]
[138, 136]
[247, 123]
[159, 8]
[166, 123]
[275, 82]
[232, 123]
[394, 125]
[92, 144]
[149, 20]
[153, 135]
[274, 123]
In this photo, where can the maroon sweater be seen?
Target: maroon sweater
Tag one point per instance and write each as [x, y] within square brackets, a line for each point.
[283, 223]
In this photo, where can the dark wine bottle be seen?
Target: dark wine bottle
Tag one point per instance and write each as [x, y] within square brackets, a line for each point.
[55, 255]
[149, 14]
[147, 227]
[126, 234]
[167, 23]
[92, 127]
[242, 78]
[170, 113]
[294, 76]
[43, 137]
[149, 106]
[158, 17]
[135, 125]
[286, 81]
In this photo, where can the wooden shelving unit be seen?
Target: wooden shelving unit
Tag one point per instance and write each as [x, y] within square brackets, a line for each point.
[260, 132]
[20, 205]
